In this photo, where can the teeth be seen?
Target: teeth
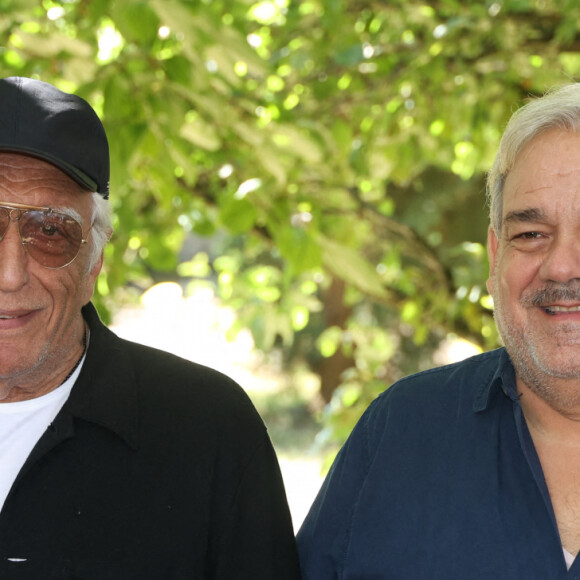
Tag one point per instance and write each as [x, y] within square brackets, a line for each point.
[563, 308]
[7, 317]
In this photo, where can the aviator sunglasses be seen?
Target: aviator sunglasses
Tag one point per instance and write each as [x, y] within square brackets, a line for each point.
[51, 238]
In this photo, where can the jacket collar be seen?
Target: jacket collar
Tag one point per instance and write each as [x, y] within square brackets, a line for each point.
[105, 391]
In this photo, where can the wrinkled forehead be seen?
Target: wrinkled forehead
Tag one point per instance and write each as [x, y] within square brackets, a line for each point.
[551, 158]
[14, 164]
[544, 183]
[29, 180]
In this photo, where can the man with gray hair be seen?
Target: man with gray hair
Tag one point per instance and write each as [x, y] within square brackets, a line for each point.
[117, 461]
[472, 470]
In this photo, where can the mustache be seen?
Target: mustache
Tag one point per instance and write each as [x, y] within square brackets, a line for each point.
[569, 292]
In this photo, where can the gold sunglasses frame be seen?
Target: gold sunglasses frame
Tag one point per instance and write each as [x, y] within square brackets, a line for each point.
[21, 208]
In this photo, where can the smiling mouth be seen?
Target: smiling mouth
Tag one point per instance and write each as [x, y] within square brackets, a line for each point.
[553, 310]
[14, 314]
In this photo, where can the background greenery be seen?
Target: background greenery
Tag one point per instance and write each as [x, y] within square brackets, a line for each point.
[320, 162]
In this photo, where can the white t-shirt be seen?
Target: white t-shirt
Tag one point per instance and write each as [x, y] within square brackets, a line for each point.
[569, 558]
[22, 424]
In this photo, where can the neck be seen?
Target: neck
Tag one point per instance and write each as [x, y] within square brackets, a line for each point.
[552, 418]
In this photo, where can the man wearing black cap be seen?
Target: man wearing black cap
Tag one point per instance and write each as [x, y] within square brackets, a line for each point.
[116, 461]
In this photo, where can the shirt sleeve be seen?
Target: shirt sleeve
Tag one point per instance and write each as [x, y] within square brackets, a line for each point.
[325, 534]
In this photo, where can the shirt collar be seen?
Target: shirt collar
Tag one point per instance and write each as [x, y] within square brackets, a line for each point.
[105, 391]
[502, 377]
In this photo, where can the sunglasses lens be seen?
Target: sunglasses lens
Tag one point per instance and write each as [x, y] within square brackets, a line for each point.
[52, 239]
[4, 221]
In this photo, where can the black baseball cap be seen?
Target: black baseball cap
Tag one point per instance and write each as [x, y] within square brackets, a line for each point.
[40, 120]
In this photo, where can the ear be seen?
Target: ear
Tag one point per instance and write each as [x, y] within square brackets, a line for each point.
[492, 248]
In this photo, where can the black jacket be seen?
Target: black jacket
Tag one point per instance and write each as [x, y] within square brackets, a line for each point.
[155, 468]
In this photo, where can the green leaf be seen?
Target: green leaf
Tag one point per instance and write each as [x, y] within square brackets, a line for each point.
[136, 21]
[238, 215]
[298, 247]
[201, 134]
[351, 266]
[178, 69]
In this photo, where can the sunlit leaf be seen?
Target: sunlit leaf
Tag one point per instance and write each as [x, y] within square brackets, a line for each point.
[350, 265]
[238, 215]
[299, 248]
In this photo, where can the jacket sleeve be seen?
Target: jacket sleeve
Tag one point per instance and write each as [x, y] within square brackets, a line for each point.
[251, 532]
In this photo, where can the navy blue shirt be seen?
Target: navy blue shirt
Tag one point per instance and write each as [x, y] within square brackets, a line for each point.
[439, 480]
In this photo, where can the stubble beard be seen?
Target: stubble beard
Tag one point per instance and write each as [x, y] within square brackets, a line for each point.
[556, 379]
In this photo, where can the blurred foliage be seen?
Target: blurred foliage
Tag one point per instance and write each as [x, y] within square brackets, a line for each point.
[322, 162]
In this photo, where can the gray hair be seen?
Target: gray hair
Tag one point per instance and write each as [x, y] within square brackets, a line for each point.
[557, 109]
[102, 228]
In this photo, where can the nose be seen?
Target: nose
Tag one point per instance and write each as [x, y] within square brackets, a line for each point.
[13, 261]
[562, 262]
